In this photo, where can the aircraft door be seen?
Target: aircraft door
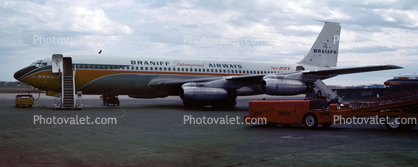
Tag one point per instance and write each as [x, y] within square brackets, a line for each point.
[56, 63]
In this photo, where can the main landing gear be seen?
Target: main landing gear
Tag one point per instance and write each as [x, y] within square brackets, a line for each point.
[225, 104]
[110, 99]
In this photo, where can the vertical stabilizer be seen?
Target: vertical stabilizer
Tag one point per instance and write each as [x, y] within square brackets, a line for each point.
[324, 52]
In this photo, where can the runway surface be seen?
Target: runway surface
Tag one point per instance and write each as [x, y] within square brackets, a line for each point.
[153, 133]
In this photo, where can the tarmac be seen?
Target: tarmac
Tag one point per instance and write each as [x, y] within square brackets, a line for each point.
[153, 132]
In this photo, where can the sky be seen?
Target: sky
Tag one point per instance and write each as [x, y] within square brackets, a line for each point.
[373, 32]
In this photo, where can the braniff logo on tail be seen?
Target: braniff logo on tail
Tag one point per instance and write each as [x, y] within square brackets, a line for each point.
[324, 52]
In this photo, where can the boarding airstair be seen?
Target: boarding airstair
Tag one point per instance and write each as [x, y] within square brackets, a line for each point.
[67, 84]
[68, 98]
[323, 90]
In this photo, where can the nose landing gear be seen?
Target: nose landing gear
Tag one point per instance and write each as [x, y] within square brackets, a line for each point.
[110, 99]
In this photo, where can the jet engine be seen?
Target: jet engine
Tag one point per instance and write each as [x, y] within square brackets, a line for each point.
[283, 87]
[195, 92]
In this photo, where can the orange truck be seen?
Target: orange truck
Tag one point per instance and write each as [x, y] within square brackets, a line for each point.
[397, 111]
[307, 112]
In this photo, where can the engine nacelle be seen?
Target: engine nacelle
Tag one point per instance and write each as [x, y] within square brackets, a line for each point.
[283, 87]
[193, 92]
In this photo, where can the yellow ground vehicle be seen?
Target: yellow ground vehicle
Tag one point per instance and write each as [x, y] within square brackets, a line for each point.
[24, 100]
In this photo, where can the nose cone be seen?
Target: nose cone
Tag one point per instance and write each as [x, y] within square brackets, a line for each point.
[19, 74]
[387, 83]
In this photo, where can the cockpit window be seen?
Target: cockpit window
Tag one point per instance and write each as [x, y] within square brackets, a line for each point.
[39, 64]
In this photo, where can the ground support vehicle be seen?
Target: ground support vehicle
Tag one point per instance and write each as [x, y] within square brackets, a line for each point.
[397, 111]
[24, 100]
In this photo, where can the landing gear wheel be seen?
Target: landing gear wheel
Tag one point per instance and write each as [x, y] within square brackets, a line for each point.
[310, 120]
[326, 125]
[187, 104]
[393, 123]
[198, 105]
[229, 104]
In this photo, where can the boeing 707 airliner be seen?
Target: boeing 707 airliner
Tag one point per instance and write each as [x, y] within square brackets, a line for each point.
[197, 82]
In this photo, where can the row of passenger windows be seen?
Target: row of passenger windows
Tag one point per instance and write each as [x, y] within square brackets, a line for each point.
[133, 68]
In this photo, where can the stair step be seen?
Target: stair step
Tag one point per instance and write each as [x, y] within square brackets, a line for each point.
[325, 90]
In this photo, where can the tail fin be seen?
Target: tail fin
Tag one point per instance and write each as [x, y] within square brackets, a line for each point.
[324, 52]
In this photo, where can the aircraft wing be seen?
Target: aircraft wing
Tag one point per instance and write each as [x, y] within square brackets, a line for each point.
[340, 71]
[323, 74]
[173, 85]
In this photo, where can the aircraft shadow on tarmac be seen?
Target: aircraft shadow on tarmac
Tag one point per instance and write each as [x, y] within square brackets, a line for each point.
[364, 128]
[170, 107]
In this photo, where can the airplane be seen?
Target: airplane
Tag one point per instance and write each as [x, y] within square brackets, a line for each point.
[404, 80]
[197, 82]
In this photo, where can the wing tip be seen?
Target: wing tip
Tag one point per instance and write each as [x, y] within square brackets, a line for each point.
[393, 66]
